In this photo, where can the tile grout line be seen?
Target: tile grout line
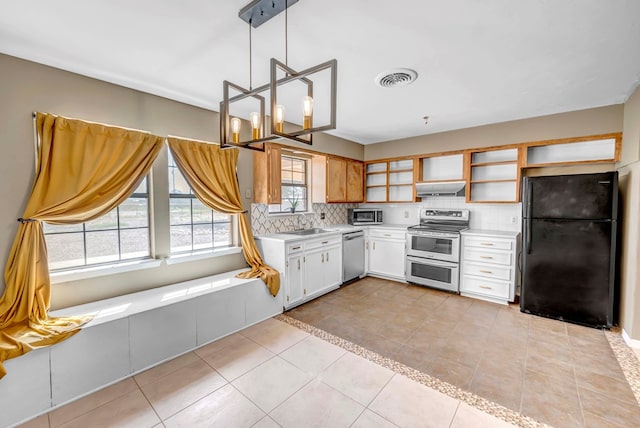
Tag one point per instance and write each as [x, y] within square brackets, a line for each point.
[452, 391]
[148, 401]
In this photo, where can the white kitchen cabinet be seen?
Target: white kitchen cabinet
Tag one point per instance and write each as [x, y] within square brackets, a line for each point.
[295, 279]
[386, 252]
[310, 266]
[489, 265]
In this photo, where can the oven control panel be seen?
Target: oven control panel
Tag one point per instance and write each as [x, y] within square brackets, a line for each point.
[431, 214]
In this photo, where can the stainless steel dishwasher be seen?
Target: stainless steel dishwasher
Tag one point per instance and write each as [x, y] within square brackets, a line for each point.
[352, 255]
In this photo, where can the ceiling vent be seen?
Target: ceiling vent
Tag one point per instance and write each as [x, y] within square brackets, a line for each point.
[396, 77]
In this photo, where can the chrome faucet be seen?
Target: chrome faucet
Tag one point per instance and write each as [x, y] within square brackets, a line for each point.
[302, 221]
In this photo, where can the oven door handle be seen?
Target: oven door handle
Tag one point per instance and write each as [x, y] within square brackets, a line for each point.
[431, 235]
[433, 262]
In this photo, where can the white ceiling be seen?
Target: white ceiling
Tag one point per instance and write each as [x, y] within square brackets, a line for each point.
[478, 62]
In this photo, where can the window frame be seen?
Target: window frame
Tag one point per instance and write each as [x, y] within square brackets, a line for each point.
[119, 261]
[277, 209]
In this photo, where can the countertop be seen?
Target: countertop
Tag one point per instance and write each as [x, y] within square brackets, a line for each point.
[495, 233]
[334, 229]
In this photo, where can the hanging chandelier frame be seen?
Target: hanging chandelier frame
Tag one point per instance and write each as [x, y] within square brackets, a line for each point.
[250, 14]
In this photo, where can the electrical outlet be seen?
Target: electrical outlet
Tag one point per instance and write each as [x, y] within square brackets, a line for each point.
[321, 216]
[514, 220]
[247, 193]
[406, 214]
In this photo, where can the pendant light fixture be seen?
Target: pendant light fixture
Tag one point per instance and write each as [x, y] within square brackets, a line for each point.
[298, 129]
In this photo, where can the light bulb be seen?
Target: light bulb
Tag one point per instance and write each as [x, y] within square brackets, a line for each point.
[235, 129]
[254, 118]
[279, 115]
[307, 112]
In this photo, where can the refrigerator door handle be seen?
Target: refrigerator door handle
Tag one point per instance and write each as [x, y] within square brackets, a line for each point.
[528, 235]
[529, 199]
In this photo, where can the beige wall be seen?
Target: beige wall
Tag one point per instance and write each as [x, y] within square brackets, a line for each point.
[27, 87]
[629, 170]
[564, 125]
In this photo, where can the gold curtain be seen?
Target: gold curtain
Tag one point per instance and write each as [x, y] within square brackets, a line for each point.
[211, 173]
[84, 170]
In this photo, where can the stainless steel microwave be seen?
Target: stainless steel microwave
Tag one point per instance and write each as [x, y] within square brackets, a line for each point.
[364, 216]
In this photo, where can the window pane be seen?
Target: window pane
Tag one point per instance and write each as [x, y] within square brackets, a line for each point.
[142, 187]
[217, 217]
[65, 250]
[222, 234]
[201, 214]
[180, 211]
[134, 243]
[298, 164]
[177, 183]
[298, 178]
[134, 212]
[55, 228]
[102, 246]
[107, 221]
[181, 239]
[202, 236]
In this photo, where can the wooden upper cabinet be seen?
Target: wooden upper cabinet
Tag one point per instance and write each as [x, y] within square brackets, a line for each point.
[355, 181]
[336, 180]
[267, 182]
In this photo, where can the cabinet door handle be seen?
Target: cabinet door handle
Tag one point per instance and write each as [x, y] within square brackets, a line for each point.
[295, 248]
[486, 287]
[327, 257]
[325, 242]
[486, 271]
[322, 257]
[374, 245]
[387, 234]
[298, 264]
[367, 245]
[487, 244]
[486, 257]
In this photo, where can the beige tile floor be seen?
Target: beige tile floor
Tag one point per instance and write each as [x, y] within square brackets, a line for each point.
[269, 375]
[557, 373]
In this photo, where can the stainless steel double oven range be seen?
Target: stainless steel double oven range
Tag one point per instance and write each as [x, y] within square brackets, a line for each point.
[433, 249]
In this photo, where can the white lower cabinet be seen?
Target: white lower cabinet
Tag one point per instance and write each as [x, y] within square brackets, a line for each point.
[489, 269]
[294, 279]
[386, 253]
[26, 388]
[311, 267]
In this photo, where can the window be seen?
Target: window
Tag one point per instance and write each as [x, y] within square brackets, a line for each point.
[121, 234]
[294, 181]
[193, 226]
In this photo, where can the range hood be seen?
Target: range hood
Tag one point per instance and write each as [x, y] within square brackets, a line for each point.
[444, 188]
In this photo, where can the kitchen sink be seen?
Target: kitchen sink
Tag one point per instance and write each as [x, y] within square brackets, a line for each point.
[312, 231]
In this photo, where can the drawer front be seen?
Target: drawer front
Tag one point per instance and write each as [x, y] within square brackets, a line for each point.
[326, 242]
[487, 271]
[488, 242]
[487, 287]
[487, 256]
[388, 233]
[295, 247]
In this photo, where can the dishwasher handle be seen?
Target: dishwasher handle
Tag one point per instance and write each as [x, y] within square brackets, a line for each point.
[351, 236]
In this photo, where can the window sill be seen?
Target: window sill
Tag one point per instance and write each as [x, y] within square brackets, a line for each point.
[201, 255]
[111, 269]
[289, 214]
[103, 270]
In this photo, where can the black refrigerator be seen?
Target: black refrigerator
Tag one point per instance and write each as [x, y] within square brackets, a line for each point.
[569, 228]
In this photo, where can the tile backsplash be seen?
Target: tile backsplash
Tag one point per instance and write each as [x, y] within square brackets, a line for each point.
[482, 216]
[262, 223]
